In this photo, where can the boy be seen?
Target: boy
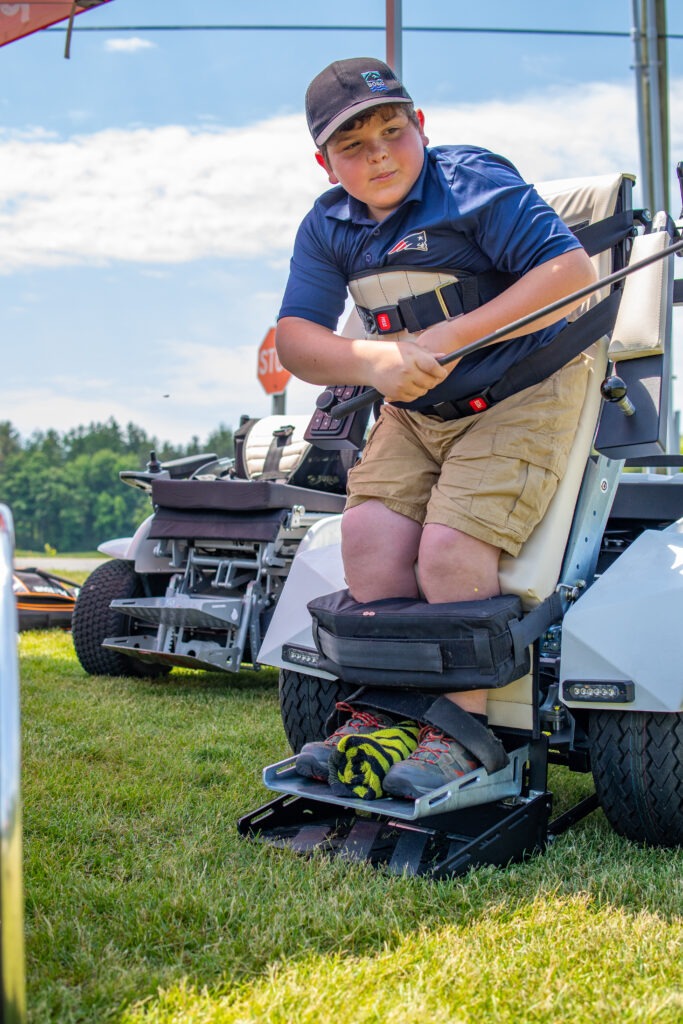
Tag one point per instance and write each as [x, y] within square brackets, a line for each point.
[440, 490]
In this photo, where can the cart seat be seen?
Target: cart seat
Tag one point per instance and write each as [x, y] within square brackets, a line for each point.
[250, 510]
[240, 496]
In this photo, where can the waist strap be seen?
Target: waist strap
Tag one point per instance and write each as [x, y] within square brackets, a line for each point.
[565, 346]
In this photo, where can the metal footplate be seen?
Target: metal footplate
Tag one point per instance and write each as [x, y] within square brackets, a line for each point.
[476, 787]
[180, 618]
[183, 610]
[481, 819]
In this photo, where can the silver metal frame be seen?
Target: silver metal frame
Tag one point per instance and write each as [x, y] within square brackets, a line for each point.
[11, 880]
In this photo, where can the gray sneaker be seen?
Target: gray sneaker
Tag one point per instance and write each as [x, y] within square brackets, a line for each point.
[313, 760]
[438, 759]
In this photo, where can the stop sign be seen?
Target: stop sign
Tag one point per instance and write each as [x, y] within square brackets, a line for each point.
[272, 374]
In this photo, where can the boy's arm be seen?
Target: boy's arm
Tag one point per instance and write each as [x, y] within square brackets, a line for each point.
[402, 371]
[549, 282]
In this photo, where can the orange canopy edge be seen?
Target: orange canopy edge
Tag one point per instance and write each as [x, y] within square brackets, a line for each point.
[22, 19]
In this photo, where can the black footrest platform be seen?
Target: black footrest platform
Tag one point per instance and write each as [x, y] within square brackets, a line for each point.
[438, 846]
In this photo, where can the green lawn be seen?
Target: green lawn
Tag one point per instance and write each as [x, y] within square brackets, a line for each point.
[143, 905]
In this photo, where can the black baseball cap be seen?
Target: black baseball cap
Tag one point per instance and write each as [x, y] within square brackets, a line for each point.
[347, 88]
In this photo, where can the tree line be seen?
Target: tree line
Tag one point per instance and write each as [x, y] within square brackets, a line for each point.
[64, 489]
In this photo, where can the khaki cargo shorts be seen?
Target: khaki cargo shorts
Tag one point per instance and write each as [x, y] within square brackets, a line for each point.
[490, 475]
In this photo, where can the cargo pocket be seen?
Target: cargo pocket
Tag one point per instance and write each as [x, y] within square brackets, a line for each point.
[524, 474]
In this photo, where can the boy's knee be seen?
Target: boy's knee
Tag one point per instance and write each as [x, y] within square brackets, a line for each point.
[441, 546]
[453, 566]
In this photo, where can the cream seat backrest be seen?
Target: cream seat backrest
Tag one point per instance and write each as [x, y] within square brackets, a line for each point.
[534, 573]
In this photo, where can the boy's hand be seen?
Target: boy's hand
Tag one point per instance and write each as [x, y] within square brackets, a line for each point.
[403, 371]
[400, 370]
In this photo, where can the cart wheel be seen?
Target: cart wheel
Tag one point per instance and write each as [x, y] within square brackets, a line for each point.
[306, 702]
[637, 764]
[93, 620]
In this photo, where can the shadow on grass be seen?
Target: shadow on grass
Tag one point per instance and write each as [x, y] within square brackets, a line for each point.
[178, 681]
[234, 914]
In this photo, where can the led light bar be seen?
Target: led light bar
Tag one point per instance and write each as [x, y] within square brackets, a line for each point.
[300, 656]
[599, 691]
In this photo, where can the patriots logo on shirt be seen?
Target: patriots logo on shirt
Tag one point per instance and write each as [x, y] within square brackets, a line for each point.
[417, 240]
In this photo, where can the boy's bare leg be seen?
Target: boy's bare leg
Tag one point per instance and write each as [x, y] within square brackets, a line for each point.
[380, 548]
[456, 567]
[379, 551]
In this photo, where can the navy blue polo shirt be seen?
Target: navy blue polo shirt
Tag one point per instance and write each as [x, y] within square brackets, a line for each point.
[469, 211]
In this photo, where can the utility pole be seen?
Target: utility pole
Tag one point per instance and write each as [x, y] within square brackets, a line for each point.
[394, 36]
[648, 33]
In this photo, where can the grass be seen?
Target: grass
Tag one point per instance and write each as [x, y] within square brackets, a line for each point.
[143, 906]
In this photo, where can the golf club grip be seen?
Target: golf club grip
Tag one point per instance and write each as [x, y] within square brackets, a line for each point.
[368, 397]
[372, 395]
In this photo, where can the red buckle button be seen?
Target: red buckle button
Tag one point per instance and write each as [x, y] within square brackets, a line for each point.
[383, 321]
[478, 404]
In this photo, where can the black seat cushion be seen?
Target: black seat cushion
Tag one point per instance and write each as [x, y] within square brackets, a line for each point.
[241, 496]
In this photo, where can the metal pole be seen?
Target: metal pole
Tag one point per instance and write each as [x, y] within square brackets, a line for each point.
[278, 404]
[640, 70]
[659, 189]
[394, 33]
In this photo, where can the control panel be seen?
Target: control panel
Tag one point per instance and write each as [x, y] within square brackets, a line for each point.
[327, 432]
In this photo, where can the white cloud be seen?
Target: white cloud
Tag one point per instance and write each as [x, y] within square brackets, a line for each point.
[128, 45]
[561, 133]
[173, 194]
[155, 195]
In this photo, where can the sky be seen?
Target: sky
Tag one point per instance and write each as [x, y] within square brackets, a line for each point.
[152, 184]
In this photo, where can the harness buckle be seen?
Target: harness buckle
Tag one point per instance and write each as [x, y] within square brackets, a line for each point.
[442, 302]
[387, 319]
[478, 403]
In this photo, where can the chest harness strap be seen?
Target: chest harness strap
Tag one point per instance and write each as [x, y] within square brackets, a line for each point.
[418, 312]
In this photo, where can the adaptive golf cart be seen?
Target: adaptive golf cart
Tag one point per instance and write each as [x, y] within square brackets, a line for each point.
[197, 584]
[581, 654]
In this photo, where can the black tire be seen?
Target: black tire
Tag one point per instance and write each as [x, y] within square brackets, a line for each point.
[637, 764]
[93, 620]
[306, 702]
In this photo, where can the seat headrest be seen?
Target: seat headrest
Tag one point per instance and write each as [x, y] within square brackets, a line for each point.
[282, 437]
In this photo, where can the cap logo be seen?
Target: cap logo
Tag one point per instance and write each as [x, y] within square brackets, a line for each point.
[374, 81]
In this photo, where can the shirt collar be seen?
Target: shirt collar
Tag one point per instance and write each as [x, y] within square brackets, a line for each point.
[348, 208]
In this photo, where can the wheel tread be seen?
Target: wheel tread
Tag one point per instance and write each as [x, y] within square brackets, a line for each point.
[306, 703]
[637, 763]
[93, 620]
